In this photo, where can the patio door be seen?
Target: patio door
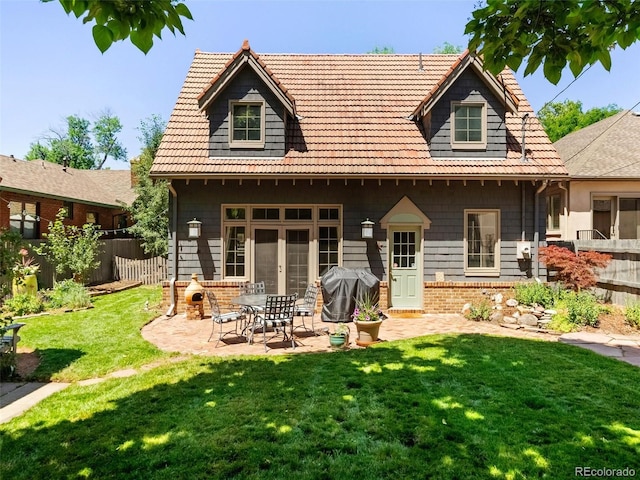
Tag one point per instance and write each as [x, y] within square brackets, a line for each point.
[281, 259]
[603, 215]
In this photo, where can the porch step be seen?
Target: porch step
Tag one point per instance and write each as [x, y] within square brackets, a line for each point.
[405, 312]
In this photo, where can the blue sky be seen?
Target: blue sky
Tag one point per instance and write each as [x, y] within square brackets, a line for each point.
[50, 68]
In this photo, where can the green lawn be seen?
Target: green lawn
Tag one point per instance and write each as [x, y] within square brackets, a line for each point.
[442, 406]
[91, 343]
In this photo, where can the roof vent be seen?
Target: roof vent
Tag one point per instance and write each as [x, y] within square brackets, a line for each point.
[635, 114]
[420, 67]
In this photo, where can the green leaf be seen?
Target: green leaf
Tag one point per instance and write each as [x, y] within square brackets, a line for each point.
[605, 59]
[79, 7]
[143, 39]
[182, 10]
[103, 37]
[552, 71]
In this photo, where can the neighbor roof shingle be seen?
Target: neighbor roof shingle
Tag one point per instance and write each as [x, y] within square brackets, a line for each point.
[606, 149]
[354, 112]
[109, 188]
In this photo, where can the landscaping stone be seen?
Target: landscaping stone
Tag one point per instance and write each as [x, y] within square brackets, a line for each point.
[466, 308]
[496, 317]
[509, 320]
[528, 319]
[497, 298]
[512, 302]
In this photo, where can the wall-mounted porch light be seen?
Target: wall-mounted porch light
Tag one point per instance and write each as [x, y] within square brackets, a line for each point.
[194, 228]
[367, 229]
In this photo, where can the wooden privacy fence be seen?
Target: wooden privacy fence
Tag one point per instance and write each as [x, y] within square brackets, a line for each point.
[110, 248]
[149, 271]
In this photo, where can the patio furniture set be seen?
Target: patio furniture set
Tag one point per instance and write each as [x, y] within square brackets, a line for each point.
[259, 312]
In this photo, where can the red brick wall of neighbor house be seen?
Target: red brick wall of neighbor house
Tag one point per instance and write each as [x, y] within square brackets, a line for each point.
[439, 297]
[49, 208]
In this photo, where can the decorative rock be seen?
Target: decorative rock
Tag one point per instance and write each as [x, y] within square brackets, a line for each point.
[550, 312]
[539, 308]
[528, 319]
[497, 307]
[512, 326]
[509, 320]
[512, 302]
[524, 309]
[516, 314]
[498, 298]
[496, 317]
[466, 308]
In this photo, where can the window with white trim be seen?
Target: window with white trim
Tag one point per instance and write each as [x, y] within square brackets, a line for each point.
[246, 128]
[482, 242]
[468, 125]
[23, 218]
[553, 212]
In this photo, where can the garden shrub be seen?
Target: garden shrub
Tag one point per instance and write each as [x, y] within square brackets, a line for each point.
[69, 294]
[575, 270]
[632, 314]
[480, 312]
[534, 293]
[24, 304]
[582, 308]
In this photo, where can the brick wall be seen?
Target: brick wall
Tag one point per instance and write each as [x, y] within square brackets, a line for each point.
[48, 209]
[439, 297]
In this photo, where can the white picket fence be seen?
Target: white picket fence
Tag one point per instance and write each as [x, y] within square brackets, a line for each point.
[149, 271]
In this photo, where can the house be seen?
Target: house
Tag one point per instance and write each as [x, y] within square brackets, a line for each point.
[32, 193]
[601, 199]
[284, 162]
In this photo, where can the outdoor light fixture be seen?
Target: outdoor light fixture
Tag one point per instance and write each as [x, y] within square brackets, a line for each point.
[194, 228]
[367, 229]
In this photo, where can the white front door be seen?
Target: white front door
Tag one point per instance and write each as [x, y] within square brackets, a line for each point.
[405, 267]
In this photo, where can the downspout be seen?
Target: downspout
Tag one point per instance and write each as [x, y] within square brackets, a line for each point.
[523, 213]
[536, 226]
[565, 208]
[174, 247]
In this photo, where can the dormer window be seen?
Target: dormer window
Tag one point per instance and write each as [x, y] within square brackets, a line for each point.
[247, 124]
[469, 126]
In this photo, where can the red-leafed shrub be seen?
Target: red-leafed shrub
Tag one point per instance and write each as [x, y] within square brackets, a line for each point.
[576, 271]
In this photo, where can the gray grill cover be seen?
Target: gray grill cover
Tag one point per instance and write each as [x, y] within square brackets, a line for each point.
[340, 289]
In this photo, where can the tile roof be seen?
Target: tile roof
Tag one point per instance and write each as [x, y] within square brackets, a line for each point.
[354, 121]
[609, 148]
[108, 188]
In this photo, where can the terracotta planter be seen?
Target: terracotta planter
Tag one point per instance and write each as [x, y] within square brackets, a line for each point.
[367, 332]
[28, 285]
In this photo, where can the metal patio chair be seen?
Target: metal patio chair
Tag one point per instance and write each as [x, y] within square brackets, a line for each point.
[307, 308]
[277, 315]
[221, 319]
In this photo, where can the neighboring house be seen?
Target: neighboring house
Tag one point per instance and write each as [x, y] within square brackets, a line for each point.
[32, 193]
[601, 200]
[284, 158]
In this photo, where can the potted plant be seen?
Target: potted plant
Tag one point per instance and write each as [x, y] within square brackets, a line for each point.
[24, 275]
[340, 337]
[368, 318]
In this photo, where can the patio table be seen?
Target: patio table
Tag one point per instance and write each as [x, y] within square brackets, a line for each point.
[251, 303]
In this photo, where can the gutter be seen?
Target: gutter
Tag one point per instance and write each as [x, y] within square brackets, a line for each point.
[174, 246]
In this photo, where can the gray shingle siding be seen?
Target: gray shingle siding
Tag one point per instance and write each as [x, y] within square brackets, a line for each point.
[246, 86]
[469, 87]
[444, 205]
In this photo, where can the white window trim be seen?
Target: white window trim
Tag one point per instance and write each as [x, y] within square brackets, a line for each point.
[247, 143]
[556, 229]
[457, 145]
[314, 224]
[482, 271]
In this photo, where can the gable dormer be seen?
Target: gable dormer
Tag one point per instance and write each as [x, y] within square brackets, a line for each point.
[247, 108]
[464, 114]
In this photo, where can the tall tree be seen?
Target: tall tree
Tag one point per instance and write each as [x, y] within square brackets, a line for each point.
[75, 148]
[382, 50]
[562, 118]
[449, 48]
[139, 20]
[552, 34]
[149, 209]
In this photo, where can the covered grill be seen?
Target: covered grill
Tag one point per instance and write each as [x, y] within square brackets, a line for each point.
[341, 287]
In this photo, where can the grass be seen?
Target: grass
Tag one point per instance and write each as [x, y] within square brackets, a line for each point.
[441, 406]
[91, 343]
